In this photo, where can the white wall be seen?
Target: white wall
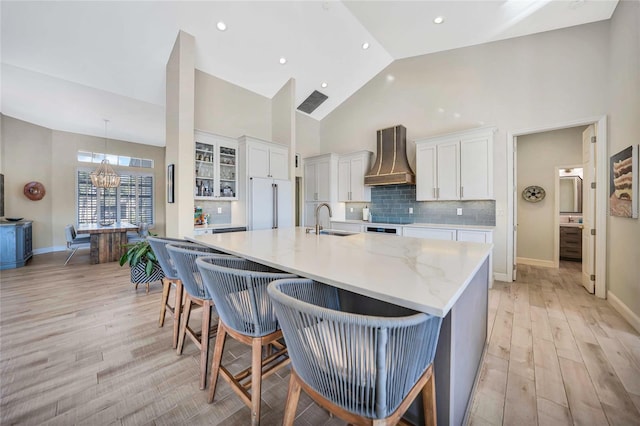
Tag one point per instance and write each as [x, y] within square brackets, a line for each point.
[623, 237]
[533, 81]
[538, 156]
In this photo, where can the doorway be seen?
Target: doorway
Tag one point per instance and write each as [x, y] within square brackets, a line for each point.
[599, 197]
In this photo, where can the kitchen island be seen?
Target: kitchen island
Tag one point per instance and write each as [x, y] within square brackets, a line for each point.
[444, 278]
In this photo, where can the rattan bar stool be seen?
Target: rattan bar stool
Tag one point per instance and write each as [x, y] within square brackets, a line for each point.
[184, 257]
[170, 280]
[239, 290]
[365, 369]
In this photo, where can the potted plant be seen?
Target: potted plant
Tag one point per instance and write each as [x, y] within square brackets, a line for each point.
[143, 262]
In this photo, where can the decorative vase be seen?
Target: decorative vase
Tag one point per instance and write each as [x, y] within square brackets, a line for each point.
[139, 275]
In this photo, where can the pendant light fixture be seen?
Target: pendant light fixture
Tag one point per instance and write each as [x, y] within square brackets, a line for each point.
[104, 176]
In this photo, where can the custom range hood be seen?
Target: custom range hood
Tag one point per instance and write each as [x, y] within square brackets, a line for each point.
[391, 166]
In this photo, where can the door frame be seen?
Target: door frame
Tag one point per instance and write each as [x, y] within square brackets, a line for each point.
[602, 169]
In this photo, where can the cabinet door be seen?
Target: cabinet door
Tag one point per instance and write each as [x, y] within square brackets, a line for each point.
[323, 178]
[472, 236]
[430, 233]
[476, 169]
[426, 172]
[359, 191]
[310, 182]
[258, 160]
[448, 171]
[278, 163]
[344, 180]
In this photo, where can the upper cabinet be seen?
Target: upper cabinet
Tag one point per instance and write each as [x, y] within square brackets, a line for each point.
[455, 167]
[216, 168]
[351, 171]
[265, 159]
[318, 177]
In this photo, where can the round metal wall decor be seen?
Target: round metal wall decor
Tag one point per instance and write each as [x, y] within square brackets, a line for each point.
[34, 191]
[533, 194]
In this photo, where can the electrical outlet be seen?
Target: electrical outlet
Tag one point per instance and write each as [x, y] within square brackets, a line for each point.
[350, 209]
[459, 212]
[410, 210]
[219, 210]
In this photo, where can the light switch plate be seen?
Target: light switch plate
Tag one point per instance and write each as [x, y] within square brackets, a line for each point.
[350, 209]
[219, 210]
[410, 210]
[459, 212]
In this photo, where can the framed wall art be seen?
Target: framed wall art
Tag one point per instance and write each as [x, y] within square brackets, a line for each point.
[623, 183]
[170, 183]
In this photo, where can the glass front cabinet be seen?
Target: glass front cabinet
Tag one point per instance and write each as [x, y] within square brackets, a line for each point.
[216, 167]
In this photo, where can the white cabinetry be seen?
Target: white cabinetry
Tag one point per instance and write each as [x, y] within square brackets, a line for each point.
[455, 167]
[216, 167]
[344, 226]
[351, 171]
[430, 233]
[475, 236]
[319, 177]
[320, 185]
[265, 159]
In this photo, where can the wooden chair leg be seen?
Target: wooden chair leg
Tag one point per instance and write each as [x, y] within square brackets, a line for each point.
[183, 326]
[429, 402]
[204, 343]
[177, 311]
[293, 395]
[216, 362]
[166, 287]
[256, 380]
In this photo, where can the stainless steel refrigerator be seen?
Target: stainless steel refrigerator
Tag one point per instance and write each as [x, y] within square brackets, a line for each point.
[270, 203]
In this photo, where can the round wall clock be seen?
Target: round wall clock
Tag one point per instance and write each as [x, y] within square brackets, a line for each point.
[533, 193]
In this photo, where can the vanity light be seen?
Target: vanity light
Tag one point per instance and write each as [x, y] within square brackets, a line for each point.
[283, 60]
[324, 85]
[365, 45]
[438, 20]
[221, 26]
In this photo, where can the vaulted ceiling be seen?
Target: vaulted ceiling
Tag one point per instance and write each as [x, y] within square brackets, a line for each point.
[68, 65]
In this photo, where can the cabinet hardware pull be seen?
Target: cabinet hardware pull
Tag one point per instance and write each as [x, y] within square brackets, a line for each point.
[434, 192]
[461, 191]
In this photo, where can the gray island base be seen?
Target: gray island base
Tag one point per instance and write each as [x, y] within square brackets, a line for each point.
[444, 278]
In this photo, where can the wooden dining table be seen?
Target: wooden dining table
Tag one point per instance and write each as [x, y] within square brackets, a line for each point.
[107, 242]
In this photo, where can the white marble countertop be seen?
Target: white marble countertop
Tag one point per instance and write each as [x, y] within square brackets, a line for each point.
[421, 225]
[219, 226]
[425, 275]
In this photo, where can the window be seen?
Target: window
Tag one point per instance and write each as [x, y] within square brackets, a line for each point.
[131, 202]
[119, 160]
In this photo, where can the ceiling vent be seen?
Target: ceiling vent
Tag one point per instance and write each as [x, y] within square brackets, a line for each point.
[312, 102]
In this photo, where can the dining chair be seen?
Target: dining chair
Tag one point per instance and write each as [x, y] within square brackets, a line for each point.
[365, 369]
[170, 280]
[184, 257]
[74, 241]
[239, 290]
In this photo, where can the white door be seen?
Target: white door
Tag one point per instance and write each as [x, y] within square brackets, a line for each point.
[356, 178]
[426, 172]
[514, 267]
[476, 169]
[261, 202]
[258, 161]
[344, 180]
[588, 209]
[278, 163]
[448, 171]
[283, 193]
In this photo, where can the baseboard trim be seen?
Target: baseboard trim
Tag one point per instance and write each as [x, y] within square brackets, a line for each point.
[498, 276]
[624, 310]
[536, 262]
[44, 250]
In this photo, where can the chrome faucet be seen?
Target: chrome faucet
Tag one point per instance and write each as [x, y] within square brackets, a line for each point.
[317, 219]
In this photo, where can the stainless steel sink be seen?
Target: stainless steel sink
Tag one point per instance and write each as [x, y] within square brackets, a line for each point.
[334, 232]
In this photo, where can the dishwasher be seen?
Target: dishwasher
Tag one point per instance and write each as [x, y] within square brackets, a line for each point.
[384, 229]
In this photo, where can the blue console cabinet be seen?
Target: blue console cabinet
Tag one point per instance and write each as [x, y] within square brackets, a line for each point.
[15, 243]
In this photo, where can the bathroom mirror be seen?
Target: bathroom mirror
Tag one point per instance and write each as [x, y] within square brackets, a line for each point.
[570, 194]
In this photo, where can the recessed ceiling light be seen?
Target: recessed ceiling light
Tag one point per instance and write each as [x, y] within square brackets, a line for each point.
[456, 115]
[324, 85]
[221, 26]
[440, 109]
[365, 45]
[438, 20]
[390, 77]
[283, 60]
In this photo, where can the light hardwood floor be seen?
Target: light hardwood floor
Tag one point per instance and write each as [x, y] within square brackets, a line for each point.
[78, 345]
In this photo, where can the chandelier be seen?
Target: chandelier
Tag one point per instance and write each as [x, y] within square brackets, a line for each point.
[104, 176]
